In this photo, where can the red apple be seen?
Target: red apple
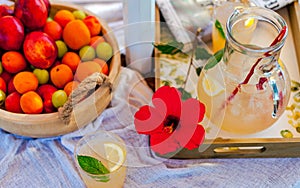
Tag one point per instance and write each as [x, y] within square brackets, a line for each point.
[3, 85]
[48, 5]
[6, 10]
[40, 49]
[46, 91]
[11, 33]
[11, 87]
[48, 106]
[12, 103]
[6, 76]
[33, 13]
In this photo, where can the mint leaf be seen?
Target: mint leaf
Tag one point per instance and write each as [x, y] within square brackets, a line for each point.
[171, 48]
[91, 165]
[184, 94]
[219, 27]
[214, 60]
[202, 53]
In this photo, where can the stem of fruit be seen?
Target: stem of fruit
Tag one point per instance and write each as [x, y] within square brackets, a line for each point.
[251, 72]
[192, 56]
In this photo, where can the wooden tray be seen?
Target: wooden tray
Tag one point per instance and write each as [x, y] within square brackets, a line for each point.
[252, 147]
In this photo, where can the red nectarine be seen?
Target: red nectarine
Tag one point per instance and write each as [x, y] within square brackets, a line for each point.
[39, 49]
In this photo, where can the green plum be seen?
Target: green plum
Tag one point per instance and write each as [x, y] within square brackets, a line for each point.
[79, 14]
[61, 47]
[59, 98]
[49, 19]
[104, 51]
[2, 97]
[42, 75]
[87, 53]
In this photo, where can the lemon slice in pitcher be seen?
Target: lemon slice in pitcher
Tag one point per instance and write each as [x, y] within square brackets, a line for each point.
[249, 22]
[211, 86]
[115, 155]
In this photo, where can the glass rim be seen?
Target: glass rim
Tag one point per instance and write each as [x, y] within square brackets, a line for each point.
[269, 14]
[99, 132]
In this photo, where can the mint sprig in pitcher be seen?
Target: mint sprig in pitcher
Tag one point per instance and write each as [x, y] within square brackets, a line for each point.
[249, 89]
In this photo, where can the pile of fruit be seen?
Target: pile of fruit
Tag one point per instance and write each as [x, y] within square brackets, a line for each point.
[43, 58]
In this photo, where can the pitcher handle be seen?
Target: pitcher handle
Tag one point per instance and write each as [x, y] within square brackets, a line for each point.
[276, 97]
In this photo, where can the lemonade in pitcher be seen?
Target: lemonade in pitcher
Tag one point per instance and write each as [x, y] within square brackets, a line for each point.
[248, 90]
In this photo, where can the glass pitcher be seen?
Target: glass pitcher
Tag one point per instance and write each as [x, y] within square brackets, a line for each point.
[248, 90]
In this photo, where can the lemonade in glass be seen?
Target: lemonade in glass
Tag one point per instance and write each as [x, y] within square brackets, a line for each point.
[101, 159]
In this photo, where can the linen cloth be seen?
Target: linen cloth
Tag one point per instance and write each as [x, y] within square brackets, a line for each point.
[49, 162]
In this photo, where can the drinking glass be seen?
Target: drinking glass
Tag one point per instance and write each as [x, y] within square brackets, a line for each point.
[110, 150]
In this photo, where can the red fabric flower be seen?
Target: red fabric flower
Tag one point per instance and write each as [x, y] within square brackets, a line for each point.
[171, 122]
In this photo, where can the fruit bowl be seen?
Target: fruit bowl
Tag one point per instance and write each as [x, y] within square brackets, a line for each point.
[50, 124]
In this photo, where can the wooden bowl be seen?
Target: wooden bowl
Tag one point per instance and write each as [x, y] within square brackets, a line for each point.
[49, 125]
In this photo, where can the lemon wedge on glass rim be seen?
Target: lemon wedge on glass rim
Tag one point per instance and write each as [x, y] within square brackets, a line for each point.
[211, 86]
[115, 155]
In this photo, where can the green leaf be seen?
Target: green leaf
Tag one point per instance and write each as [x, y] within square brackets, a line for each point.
[171, 48]
[202, 53]
[184, 94]
[166, 82]
[91, 165]
[214, 60]
[219, 27]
